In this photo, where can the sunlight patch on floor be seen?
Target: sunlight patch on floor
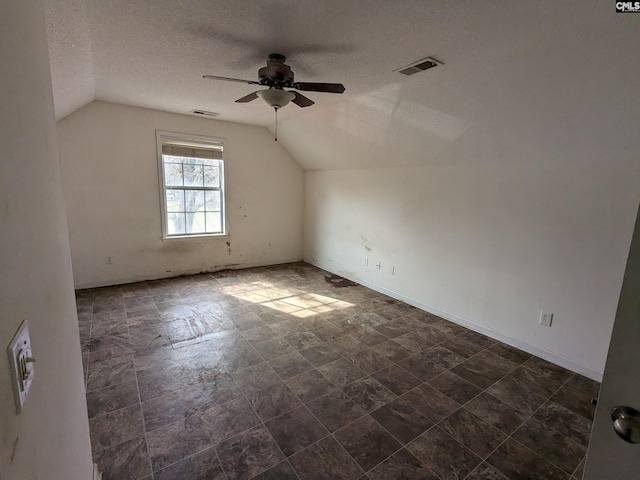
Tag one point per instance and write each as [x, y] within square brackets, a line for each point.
[294, 302]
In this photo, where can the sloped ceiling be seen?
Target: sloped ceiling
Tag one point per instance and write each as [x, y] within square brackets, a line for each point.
[506, 63]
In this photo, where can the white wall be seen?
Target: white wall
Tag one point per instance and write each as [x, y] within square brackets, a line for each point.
[49, 439]
[488, 244]
[514, 179]
[110, 182]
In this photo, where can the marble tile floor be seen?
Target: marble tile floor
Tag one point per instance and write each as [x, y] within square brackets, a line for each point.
[288, 372]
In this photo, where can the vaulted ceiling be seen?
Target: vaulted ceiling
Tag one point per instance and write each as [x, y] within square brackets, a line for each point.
[508, 66]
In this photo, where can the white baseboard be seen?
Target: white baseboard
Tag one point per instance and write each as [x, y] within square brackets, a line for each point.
[96, 473]
[538, 352]
[159, 276]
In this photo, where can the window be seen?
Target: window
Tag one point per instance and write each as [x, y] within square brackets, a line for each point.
[192, 185]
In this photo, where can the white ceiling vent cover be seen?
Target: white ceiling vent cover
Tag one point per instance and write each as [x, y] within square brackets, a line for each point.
[419, 66]
[205, 113]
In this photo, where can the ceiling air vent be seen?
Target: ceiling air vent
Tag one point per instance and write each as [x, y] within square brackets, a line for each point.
[419, 66]
[205, 113]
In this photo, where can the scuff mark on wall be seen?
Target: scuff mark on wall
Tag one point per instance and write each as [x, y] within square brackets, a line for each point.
[14, 449]
[364, 242]
[229, 246]
[178, 246]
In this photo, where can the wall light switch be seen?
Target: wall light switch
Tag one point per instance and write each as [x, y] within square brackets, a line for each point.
[21, 364]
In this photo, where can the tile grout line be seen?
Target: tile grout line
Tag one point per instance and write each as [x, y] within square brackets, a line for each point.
[261, 424]
[144, 423]
[370, 375]
[510, 436]
[303, 404]
[144, 426]
[366, 413]
[483, 460]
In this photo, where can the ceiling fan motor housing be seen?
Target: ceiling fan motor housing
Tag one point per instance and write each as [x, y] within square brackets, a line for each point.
[276, 73]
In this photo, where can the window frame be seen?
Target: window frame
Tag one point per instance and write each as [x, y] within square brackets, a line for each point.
[163, 137]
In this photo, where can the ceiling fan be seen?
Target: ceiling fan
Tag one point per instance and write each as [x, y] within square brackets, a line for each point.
[278, 76]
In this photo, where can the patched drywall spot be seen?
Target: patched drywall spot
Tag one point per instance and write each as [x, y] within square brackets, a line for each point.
[339, 282]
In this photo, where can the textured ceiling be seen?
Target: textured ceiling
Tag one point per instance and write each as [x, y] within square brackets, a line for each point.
[506, 63]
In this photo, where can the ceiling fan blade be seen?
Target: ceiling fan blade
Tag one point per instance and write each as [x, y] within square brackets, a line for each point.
[227, 79]
[248, 98]
[301, 100]
[319, 87]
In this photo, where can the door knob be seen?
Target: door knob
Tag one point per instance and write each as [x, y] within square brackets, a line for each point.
[626, 423]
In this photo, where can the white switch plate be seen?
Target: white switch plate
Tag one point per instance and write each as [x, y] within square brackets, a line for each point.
[21, 364]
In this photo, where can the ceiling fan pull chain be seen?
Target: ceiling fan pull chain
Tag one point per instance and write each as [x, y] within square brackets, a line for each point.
[276, 137]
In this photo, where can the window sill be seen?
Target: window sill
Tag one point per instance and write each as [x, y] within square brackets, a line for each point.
[217, 236]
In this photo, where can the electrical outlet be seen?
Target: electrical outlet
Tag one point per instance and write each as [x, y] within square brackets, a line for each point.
[546, 318]
[108, 260]
[392, 270]
[379, 265]
[366, 262]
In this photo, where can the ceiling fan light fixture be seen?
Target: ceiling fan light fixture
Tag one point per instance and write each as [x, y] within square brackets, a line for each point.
[275, 97]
